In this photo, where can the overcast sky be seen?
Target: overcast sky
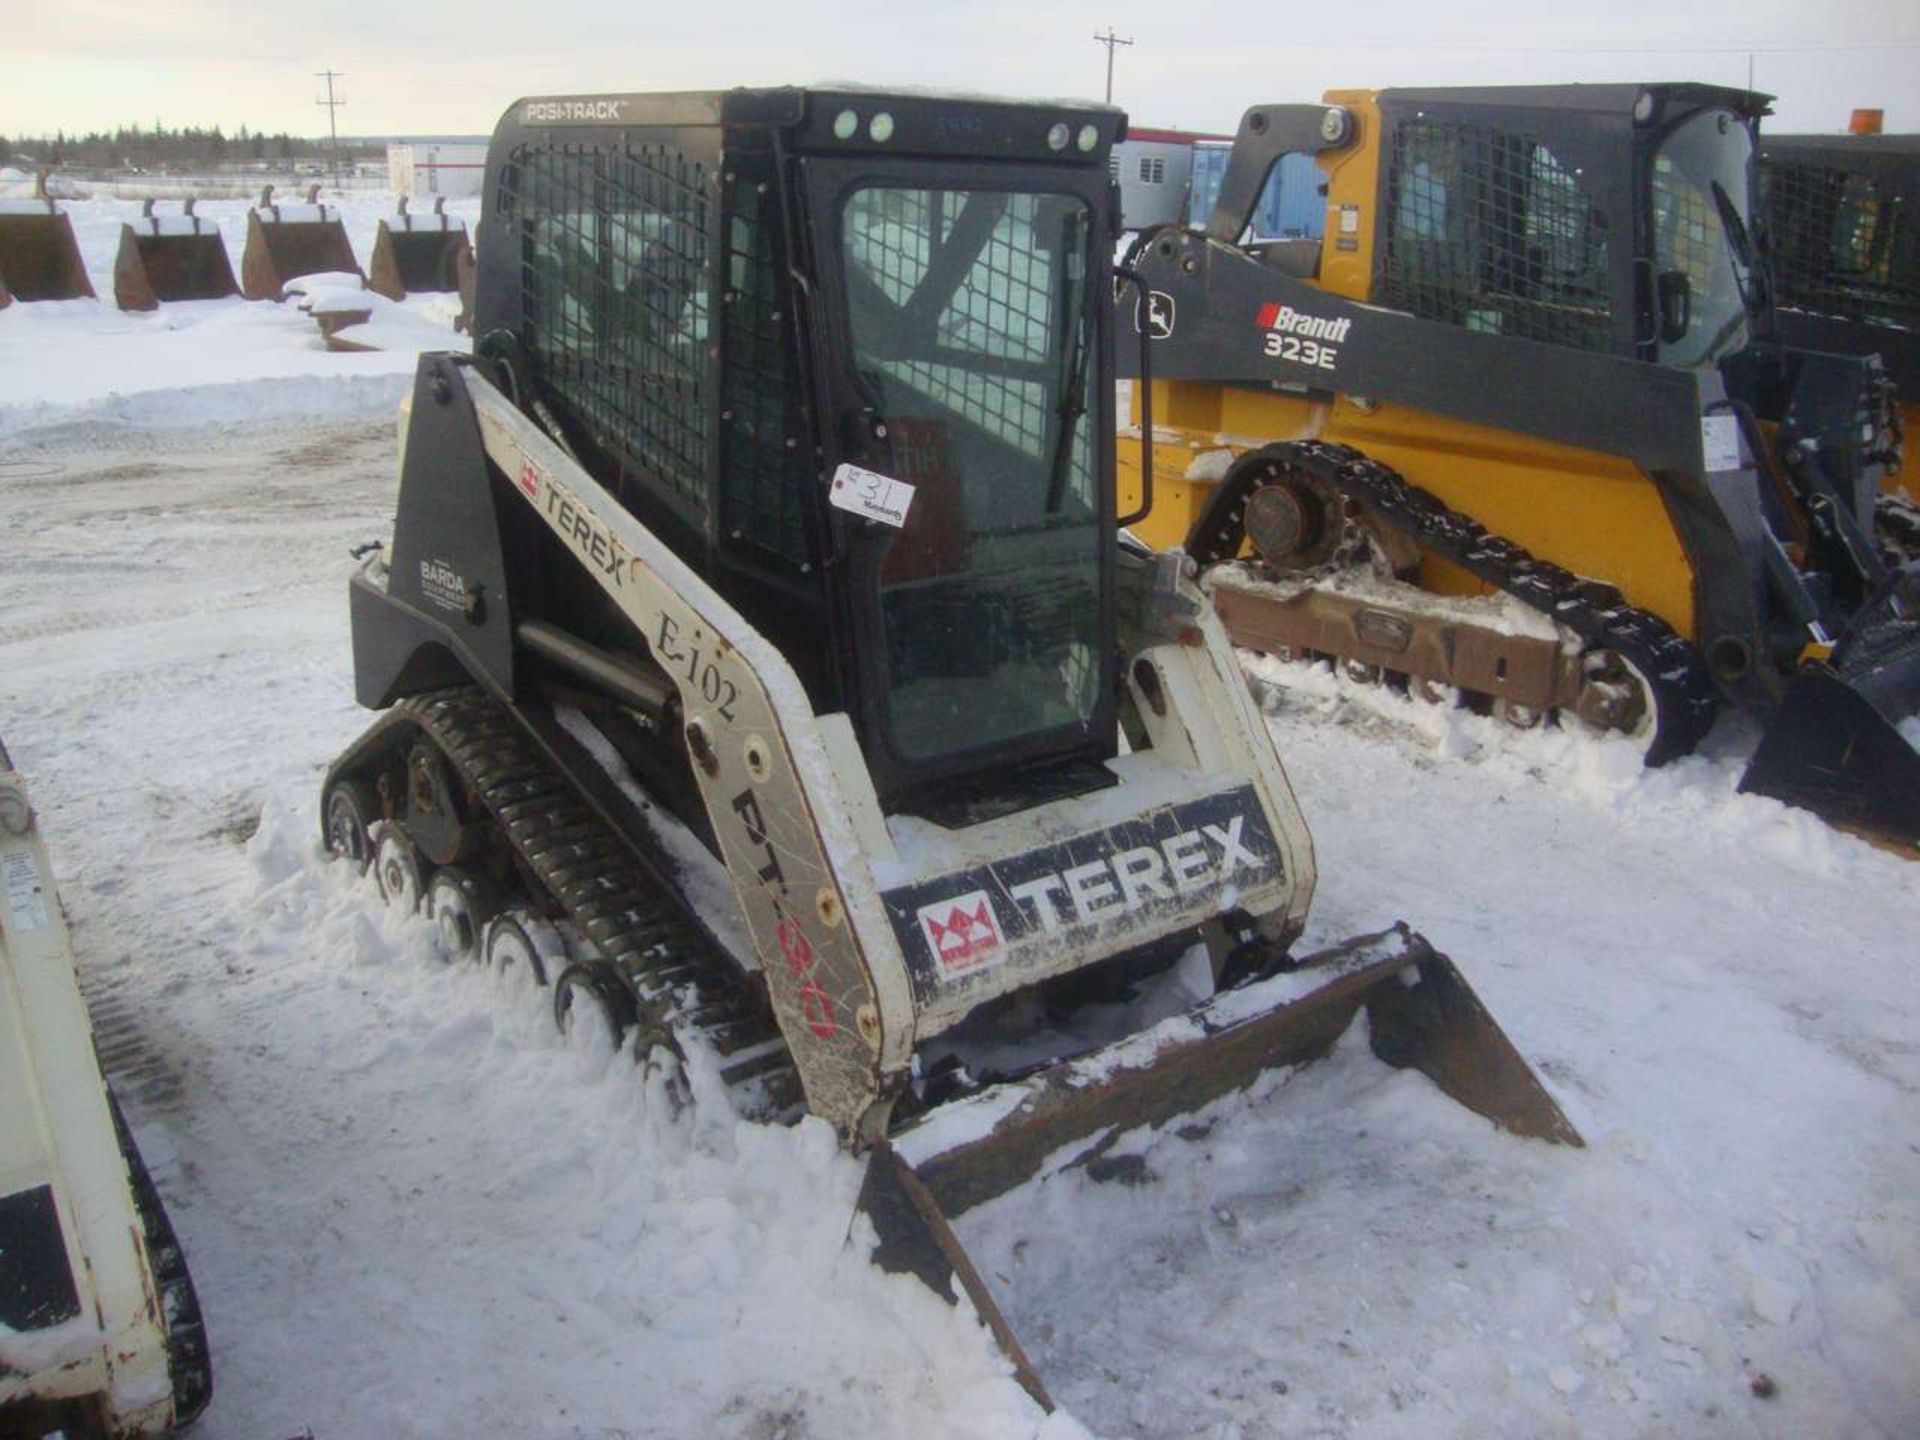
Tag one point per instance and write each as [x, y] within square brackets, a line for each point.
[440, 67]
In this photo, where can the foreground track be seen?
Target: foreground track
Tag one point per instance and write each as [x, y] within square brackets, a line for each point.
[621, 903]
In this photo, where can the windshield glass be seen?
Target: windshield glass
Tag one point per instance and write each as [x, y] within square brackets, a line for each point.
[973, 341]
[1702, 213]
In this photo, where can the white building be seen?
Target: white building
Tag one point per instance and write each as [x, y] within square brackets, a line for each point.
[1154, 169]
[422, 169]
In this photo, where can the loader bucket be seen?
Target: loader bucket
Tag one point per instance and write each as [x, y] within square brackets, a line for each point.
[418, 254]
[916, 1239]
[1834, 746]
[39, 258]
[170, 257]
[285, 242]
[1421, 1014]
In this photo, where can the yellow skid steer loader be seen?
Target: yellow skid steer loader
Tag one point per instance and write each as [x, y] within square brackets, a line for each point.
[1516, 422]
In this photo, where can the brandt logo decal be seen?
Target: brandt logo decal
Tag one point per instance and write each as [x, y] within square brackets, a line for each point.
[964, 932]
[1304, 339]
[1289, 321]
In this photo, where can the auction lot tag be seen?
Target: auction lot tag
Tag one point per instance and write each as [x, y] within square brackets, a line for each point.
[1720, 443]
[26, 901]
[869, 493]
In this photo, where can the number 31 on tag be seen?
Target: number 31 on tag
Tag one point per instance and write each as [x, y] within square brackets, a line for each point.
[871, 494]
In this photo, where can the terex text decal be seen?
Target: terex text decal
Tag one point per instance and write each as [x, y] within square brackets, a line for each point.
[1175, 860]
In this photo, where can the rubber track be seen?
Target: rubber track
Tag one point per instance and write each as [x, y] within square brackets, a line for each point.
[677, 975]
[1684, 697]
[189, 1364]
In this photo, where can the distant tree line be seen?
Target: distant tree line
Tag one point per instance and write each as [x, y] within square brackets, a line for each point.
[160, 148]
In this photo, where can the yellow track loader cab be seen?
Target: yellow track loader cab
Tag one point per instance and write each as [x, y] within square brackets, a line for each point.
[1514, 420]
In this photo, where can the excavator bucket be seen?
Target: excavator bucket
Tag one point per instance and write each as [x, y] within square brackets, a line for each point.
[1836, 744]
[285, 242]
[419, 254]
[39, 258]
[171, 257]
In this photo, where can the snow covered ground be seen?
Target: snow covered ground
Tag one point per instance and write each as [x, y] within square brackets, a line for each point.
[133, 366]
[413, 1211]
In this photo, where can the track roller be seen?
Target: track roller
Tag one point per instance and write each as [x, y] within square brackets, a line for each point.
[461, 903]
[594, 987]
[351, 812]
[511, 945]
[396, 865]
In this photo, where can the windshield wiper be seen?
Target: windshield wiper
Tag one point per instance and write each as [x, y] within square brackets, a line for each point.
[1740, 247]
[1073, 397]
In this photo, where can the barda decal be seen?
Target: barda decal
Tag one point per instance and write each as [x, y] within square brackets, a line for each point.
[443, 586]
[1300, 338]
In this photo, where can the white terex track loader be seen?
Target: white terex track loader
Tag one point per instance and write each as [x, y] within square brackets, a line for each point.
[100, 1332]
[764, 667]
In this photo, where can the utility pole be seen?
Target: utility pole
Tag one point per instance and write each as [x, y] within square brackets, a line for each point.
[1110, 40]
[333, 129]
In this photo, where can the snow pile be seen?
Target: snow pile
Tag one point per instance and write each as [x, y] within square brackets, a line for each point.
[712, 1266]
[171, 365]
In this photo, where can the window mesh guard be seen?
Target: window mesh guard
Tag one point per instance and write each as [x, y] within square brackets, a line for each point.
[764, 468]
[1000, 308]
[1490, 230]
[1842, 244]
[614, 294]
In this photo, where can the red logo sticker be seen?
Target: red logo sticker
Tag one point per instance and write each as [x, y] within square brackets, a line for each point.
[1269, 313]
[530, 480]
[964, 932]
[794, 946]
[816, 1008]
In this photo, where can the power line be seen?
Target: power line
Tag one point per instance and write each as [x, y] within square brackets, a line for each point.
[1110, 40]
[333, 105]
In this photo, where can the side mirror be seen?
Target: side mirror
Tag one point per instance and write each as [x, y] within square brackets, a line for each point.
[1674, 291]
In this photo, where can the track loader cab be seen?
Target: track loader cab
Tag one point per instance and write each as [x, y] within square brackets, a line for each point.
[1532, 359]
[1842, 224]
[949, 337]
